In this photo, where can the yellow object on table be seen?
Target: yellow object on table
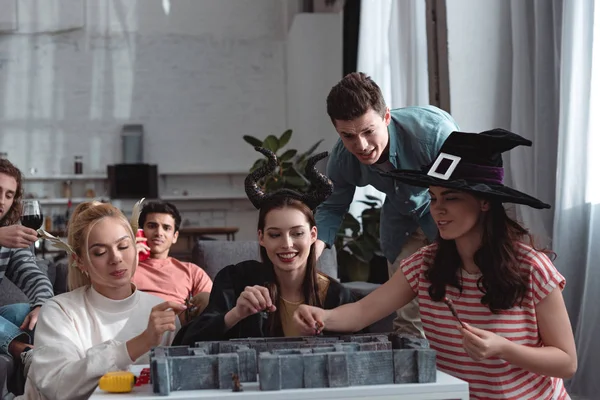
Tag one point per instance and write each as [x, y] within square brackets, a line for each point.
[117, 382]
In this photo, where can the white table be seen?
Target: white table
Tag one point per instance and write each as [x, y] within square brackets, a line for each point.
[446, 387]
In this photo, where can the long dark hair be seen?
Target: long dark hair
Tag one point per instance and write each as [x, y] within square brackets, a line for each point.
[310, 286]
[14, 214]
[502, 281]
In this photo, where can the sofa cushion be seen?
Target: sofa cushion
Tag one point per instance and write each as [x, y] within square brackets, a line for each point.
[10, 293]
[213, 255]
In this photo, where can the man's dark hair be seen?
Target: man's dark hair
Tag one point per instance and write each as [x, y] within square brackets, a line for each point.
[353, 96]
[160, 207]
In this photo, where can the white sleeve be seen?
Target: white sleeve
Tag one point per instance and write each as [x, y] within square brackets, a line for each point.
[60, 367]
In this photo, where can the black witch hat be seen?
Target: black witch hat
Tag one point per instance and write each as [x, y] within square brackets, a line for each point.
[472, 162]
[323, 187]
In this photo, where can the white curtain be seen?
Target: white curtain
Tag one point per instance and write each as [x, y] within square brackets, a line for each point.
[392, 49]
[535, 31]
[555, 103]
[577, 209]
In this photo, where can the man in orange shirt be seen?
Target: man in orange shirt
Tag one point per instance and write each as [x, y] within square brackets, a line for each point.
[164, 276]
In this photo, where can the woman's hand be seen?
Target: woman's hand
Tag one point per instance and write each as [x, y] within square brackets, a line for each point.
[310, 320]
[252, 300]
[162, 319]
[481, 344]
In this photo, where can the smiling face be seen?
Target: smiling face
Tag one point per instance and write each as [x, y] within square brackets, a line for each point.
[159, 228]
[8, 190]
[457, 214]
[111, 257]
[287, 238]
[366, 137]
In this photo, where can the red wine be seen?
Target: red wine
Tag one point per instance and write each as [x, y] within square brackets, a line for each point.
[32, 221]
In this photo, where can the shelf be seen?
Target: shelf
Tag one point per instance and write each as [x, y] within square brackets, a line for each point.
[207, 197]
[65, 178]
[211, 196]
[195, 174]
[74, 200]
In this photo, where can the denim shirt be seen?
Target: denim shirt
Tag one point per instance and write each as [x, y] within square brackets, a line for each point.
[416, 136]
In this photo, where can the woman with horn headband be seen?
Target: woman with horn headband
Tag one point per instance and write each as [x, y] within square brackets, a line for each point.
[258, 299]
[103, 324]
[491, 303]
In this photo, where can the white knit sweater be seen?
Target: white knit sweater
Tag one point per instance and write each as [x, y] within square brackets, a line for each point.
[80, 336]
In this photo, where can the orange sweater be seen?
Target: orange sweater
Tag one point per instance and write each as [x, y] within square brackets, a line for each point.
[171, 279]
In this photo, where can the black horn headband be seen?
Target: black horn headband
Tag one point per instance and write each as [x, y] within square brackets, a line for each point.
[323, 187]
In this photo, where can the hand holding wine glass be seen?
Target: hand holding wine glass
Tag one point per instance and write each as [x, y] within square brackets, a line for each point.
[32, 216]
[23, 236]
[17, 236]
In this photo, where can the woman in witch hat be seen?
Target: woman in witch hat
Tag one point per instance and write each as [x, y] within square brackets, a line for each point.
[258, 299]
[491, 303]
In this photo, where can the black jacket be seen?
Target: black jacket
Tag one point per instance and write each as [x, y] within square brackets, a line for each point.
[229, 283]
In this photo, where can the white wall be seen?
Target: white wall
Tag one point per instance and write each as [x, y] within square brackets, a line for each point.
[8, 17]
[479, 52]
[198, 78]
[314, 66]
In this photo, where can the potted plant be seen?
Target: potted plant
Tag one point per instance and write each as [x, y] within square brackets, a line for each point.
[290, 171]
[359, 252]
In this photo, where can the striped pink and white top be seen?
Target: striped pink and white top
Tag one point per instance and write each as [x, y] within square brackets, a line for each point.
[490, 378]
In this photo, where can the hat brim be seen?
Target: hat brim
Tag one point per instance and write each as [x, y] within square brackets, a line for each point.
[498, 192]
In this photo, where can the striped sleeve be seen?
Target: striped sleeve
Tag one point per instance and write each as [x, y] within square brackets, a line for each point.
[411, 267]
[544, 276]
[23, 271]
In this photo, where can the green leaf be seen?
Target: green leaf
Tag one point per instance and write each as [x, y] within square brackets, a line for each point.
[288, 154]
[274, 183]
[285, 138]
[252, 141]
[271, 143]
[361, 251]
[294, 182]
[372, 242]
[291, 171]
[306, 181]
[312, 149]
[300, 160]
[258, 164]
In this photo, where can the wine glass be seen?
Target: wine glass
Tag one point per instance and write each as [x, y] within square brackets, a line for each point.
[32, 216]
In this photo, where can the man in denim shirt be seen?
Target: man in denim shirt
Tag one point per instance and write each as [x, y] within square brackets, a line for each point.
[374, 138]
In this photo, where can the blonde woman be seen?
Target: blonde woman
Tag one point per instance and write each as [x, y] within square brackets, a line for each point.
[103, 324]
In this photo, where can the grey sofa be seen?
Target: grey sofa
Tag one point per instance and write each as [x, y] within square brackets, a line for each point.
[213, 255]
[11, 294]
